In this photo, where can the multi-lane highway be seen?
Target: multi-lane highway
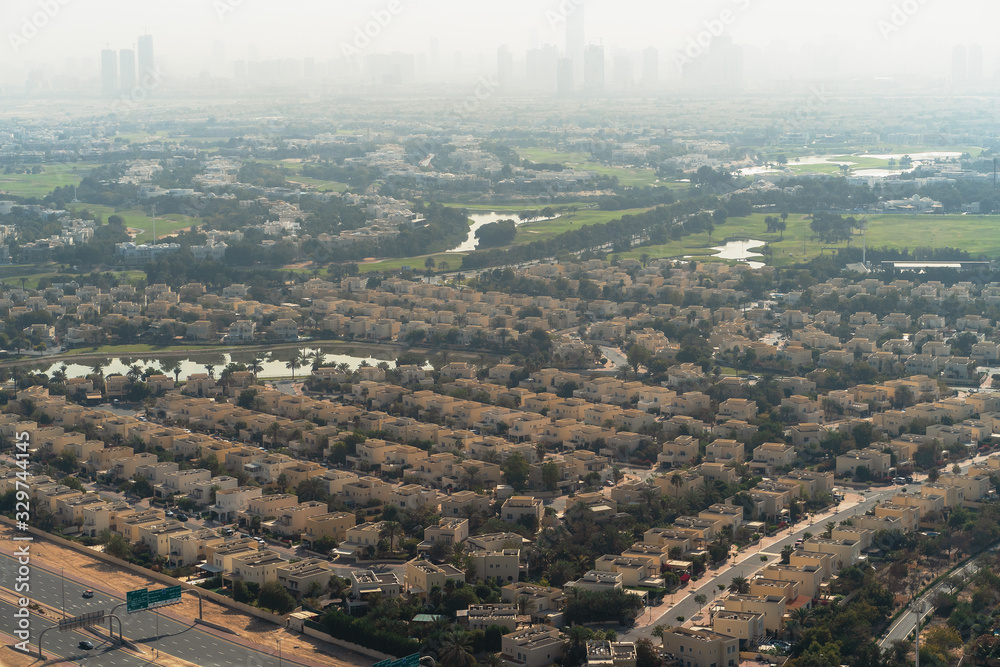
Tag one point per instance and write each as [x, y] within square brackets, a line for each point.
[175, 638]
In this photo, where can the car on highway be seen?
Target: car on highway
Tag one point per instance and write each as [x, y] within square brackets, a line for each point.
[86, 645]
[88, 593]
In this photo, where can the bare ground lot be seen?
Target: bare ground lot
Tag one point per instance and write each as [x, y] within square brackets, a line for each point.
[100, 575]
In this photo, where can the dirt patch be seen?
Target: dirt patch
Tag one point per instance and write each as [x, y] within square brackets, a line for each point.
[93, 572]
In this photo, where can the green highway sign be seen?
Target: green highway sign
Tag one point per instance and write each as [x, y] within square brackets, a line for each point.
[137, 600]
[409, 661]
[164, 596]
[143, 599]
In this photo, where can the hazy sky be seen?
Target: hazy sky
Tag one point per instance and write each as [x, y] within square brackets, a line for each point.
[889, 35]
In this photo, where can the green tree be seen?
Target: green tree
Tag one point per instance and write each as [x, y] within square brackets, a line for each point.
[240, 592]
[390, 531]
[456, 649]
[516, 470]
[273, 596]
[118, 547]
[550, 476]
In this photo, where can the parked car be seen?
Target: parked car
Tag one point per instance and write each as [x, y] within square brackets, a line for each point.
[170, 513]
[182, 517]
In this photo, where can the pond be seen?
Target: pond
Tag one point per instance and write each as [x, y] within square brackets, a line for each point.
[741, 250]
[273, 365]
[480, 220]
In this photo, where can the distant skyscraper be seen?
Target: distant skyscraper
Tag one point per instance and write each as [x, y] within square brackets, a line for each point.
[126, 70]
[109, 73]
[651, 66]
[593, 69]
[147, 61]
[976, 63]
[622, 74]
[566, 81]
[505, 66]
[542, 69]
[576, 35]
[959, 66]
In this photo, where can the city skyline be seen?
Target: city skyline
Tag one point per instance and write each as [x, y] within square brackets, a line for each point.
[770, 38]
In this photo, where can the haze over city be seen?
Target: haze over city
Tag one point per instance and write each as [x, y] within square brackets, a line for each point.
[536, 333]
[774, 41]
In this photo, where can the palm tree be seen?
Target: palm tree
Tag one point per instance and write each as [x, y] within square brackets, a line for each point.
[318, 360]
[338, 587]
[295, 363]
[256, 366]
[272, 432]
[134, 373]
[210, 369]
[829, 529]
[578, 635]
[456, 650]
[390, 531]
[675, 481]
[522, 604]
[175, 368]
[798, 621]
[786, 553]
[739, 585]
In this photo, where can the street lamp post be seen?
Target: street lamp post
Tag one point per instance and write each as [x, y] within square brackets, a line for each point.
[62, 583]
[278, 639]
[918, 608]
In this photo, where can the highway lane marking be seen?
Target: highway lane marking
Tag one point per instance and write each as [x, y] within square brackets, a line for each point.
[198, 630]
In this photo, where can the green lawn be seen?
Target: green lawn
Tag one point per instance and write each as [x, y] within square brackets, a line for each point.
[165, 224]
[115, 350]
[541, 231]
[39, 185]
[626, 175]
[319, 185]
[453, 261]
[34, 273]
[979, 235]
